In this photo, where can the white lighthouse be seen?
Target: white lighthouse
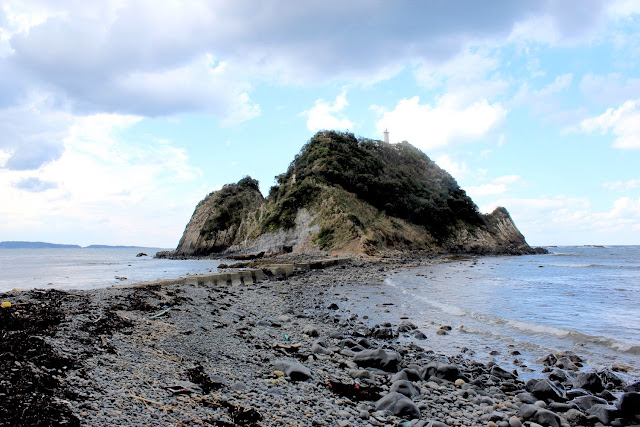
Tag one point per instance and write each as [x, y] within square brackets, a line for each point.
[386, 136]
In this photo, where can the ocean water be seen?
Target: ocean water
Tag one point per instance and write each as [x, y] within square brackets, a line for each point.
[583, 299]
[90, 268]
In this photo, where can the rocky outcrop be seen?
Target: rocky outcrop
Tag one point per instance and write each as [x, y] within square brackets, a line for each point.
[217, 221]
[296, 239]
[342, 194]
[499, 236]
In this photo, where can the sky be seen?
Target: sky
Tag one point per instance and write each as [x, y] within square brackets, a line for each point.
[118, 117]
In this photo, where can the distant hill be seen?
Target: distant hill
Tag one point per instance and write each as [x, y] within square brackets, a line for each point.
[343, 194]
[35, 245]
[110, 247]
[45, 245]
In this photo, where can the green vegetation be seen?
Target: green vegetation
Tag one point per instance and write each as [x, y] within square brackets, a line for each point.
[362, 195]
[232, 201]
[324, 239]
[397, 179]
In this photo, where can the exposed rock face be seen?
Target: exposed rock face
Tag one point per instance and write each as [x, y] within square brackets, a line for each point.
[347, 195]
[499, 236]
[296, 239]
[217, 219]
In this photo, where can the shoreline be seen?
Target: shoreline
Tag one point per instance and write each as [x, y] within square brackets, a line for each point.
[203, 353]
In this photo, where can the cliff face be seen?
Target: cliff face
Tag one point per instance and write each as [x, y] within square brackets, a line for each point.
[217, 219]
[499, 236]
[347, 195]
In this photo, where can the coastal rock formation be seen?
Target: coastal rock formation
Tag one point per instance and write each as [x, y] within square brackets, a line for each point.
[499, 236]
[343, 194]
[217, 220]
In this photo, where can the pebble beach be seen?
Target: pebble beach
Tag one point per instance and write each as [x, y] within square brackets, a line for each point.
[281, 351]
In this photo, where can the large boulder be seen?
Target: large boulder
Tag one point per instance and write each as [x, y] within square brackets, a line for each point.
[294, 370]
[586, 402]
[549, 390]
[603, 412]
[399, 405]
[385, 360]
[589, 381]
[405, 387]
[539, 415]
[629, 404]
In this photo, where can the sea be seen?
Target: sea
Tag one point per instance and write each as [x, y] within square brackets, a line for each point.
[507, 309]
[86, 268]
[515, 309]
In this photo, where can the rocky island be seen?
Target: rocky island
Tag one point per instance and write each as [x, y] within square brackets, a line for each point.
[343, 194]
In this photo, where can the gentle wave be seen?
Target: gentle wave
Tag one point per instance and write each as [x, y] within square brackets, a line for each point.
[492, 321]
[577, 336]
[604, 266]
[447, 308]
[552, 264]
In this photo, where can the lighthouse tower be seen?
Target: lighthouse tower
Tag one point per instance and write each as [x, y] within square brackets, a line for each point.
[386, 136]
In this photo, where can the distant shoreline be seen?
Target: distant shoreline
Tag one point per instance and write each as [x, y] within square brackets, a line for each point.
[47, 245]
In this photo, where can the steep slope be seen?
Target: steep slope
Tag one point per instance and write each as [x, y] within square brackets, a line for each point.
[344, 194]
[216, 220]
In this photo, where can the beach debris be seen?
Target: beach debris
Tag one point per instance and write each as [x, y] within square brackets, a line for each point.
[142, 399]
[166, 309]
[206, 382]
[121, 278]
[287, 348]
[183, 387]
[310, 331]
[354, 391]
[6, 304]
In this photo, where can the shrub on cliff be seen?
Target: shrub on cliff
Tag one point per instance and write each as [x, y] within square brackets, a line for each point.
[398, 179]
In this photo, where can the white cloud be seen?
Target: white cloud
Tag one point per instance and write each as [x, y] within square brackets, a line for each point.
[470, 75]
[507, 179]
[457, 169]
[498, 185]
[623, 122]
[31, 133]
[103, 55]
[610, 89]
[486, 190]
[620, 186]
[623, 8]
[328, 115]
[448, 121]
[544, 100]
[120, 190]
[561, 23]
[569, 220]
